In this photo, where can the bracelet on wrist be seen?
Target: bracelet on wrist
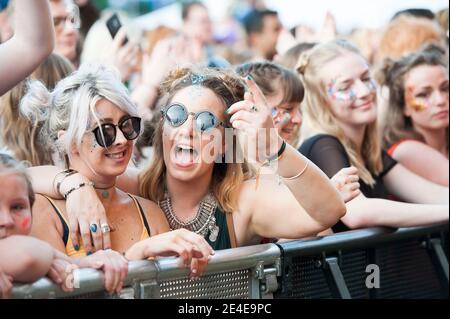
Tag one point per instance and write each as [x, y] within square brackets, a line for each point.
[81, 185]
[66, 173]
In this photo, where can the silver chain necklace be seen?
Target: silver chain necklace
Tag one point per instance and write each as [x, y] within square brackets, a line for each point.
[203, 223]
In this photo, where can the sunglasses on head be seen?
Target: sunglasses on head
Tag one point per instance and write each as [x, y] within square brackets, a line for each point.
[105, 134]
[176, 114]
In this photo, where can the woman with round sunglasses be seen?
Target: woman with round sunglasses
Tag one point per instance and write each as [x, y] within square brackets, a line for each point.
[199, 183]
[91, 121]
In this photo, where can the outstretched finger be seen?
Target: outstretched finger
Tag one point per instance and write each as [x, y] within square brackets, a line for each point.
[253, 88]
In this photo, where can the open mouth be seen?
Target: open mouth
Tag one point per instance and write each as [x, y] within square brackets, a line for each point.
[185, 155]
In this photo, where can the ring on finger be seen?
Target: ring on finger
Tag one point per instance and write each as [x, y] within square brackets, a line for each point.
[105, 228]
[93, 228]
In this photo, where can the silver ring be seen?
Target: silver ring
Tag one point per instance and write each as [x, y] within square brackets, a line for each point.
[105, 228]
[254, 108]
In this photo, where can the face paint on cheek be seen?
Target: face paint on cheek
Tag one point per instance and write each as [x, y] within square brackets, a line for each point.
[417, 105]
[340, 96]
[25, 223]
[94, 146]
[347, 96]
[372, 86]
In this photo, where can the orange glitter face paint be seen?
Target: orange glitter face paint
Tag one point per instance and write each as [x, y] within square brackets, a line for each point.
[417, 105]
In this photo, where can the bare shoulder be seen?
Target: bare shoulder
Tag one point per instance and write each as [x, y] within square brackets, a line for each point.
[155, 216]
[42, 208]
[44, 215]
[414, 149]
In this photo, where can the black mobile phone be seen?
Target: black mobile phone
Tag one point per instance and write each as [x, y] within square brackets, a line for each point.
[113, 24]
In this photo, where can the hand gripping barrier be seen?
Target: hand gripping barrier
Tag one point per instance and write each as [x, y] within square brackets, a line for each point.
[364, 264]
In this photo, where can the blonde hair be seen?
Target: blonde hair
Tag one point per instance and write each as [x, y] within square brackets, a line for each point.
[71, 105]
[318, 114]
[18, 133]
[227, 177]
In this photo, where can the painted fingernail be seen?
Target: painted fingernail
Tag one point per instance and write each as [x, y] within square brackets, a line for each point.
[76, 247]
[249, 77]
[89, 253]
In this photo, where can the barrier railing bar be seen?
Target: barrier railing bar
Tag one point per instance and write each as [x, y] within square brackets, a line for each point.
[151, 272]
[358, 239]
[336, 279]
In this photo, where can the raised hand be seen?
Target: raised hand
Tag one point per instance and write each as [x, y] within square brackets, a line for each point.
[253, 117]
[126, 57]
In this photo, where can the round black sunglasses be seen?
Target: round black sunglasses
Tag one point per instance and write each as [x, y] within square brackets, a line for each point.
[105, 134]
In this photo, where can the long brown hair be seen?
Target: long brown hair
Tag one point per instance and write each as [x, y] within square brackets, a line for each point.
[17, 132]
[397, 126]
[227, 177]
[319, 118]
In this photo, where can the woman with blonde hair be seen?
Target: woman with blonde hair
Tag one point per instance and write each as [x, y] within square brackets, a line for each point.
[16, 132]
[416, 122]
[341, 110]
[91, 122]
[197, 176]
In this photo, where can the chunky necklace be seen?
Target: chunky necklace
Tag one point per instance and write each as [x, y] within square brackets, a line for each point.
[203, 223]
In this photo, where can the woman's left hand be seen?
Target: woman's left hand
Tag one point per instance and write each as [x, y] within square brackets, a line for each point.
[253, 117]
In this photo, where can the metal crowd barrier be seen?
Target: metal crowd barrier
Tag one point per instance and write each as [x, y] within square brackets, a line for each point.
[410, 263]
[241, 273]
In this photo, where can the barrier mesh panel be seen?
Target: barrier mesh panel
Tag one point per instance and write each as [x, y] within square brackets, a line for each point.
[406, 271]
[305, 280]
[227, 285]
[353, 267]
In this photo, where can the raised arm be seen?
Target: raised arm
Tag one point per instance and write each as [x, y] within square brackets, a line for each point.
[305, 183]
[32, 42]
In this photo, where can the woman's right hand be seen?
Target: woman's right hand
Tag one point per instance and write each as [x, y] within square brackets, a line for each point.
[84, 209]
[113, 265]
[346, 182]
[192, 248]
[6, 285]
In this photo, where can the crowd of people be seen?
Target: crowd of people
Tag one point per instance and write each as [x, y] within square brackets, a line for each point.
[183, 142]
